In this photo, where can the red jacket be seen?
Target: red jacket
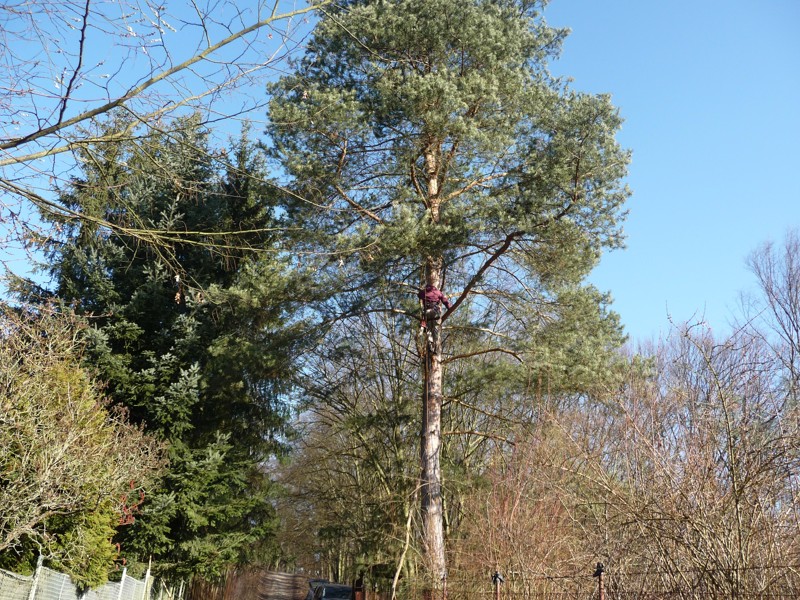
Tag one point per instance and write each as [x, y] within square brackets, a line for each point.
[432, 296]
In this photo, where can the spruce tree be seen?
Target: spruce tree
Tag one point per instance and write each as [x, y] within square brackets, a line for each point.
[188, 334]
[427, 143]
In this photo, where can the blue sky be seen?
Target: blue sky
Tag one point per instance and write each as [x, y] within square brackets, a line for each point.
[710, 93]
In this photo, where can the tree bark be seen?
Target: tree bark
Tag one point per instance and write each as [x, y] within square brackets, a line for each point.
[432, 513]
[431, 476]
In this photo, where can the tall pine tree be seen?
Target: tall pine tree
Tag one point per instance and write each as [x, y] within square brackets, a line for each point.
[428, 144]
[190, 333]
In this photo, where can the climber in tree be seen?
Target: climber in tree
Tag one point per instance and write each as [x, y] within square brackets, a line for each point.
[432, 300]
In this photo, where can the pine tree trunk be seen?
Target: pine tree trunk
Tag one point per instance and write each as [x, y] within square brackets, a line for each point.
[431, 476]
[433, 521]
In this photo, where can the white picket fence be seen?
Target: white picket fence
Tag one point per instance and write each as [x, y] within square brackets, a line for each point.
[46, 584]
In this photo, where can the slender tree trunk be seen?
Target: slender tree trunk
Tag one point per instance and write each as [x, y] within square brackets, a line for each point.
[433, 521]
[431, 476]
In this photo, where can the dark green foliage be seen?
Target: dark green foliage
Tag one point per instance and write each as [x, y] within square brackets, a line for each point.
[189, 332]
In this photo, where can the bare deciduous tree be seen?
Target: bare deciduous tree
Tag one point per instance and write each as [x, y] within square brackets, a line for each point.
[774, 311]
[682, 480]
[697, 470]
[353, 479]
[67, 66]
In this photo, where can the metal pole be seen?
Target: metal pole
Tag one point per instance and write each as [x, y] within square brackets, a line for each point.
[146, 591]
[122, 582]
[497, 579]
[598, 572]
[63, 585]
[36, 574]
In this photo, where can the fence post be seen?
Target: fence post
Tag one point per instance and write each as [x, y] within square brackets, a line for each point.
[36, 573]
[145, 592]
[122, 583]
[63, 585]
[497, 579]
[359, 591]
[598, 572]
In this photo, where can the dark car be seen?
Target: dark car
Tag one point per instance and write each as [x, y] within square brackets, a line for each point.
[333, 591]
[313, 584]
